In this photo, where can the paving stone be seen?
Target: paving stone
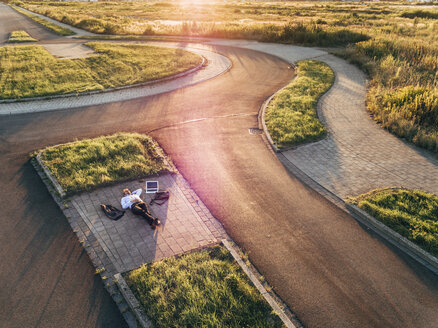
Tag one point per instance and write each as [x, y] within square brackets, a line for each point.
[130, 242]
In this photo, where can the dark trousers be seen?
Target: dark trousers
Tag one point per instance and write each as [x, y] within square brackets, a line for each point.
[141, 208]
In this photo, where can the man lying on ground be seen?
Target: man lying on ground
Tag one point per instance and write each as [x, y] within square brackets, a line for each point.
[133, 201]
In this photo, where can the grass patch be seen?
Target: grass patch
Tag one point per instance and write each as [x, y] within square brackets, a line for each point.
[20, 36]
[206, 288]
[291, 116]
[90, 163]
[31, 71]
[52, 27]
[411, 213]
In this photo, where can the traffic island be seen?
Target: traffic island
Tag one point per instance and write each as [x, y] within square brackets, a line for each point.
[84, 174]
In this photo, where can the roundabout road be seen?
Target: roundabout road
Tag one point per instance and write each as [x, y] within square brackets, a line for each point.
[327, 268]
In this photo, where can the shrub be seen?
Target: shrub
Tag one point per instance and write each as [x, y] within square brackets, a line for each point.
[420, 14]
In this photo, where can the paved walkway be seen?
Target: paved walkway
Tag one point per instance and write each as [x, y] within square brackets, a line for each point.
[358, 155]
[130, 242]
[69, 50]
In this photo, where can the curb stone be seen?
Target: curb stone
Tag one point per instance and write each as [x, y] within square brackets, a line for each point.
[275, 307]
[132, 301]
[46, 170]
[408, 247]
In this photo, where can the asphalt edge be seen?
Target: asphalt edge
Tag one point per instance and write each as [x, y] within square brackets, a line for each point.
[408, 247]
[98, 257]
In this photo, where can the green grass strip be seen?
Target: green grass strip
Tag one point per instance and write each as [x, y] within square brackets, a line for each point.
[53, 27]
[31, 71]
[206, 288]
[20, 36]
[291, 116]
[90, 163]
[411, 213]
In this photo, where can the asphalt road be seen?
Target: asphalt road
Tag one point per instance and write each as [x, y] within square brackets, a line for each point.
[328, 269]
[10, 21]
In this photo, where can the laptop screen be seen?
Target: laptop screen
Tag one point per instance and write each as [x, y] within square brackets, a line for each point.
[151, 186]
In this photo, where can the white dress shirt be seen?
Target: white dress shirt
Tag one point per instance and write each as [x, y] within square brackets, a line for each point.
[128, 200]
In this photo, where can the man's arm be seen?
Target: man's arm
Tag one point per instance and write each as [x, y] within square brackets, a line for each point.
[137, 192]
[125, 203]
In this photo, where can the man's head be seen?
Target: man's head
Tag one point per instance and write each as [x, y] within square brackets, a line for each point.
[126, 192]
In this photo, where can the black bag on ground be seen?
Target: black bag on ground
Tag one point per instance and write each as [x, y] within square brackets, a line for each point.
[160, 197]
[112, 212]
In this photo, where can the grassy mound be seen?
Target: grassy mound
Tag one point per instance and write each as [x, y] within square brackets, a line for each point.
[411, 213]
[87, 164]
[291, 116]
[20, 36]
[201, 289]
[31, 71]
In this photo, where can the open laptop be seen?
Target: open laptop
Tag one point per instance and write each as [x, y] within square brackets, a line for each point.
[152, 187]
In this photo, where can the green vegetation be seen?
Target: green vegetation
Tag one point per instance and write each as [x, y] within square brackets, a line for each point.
[30, 71]
[20, 36]
[395, 44]
[291, 116]
[53, 27]
[87, 164]
[403, 93]
[142, 38]
[264, 21]
[411, 213]
[206, 288]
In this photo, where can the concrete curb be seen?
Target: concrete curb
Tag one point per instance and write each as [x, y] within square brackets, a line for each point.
[132, 301]
[46, 170]
[277, 309]
[88, 93]
[408, 247]
[263, 123]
